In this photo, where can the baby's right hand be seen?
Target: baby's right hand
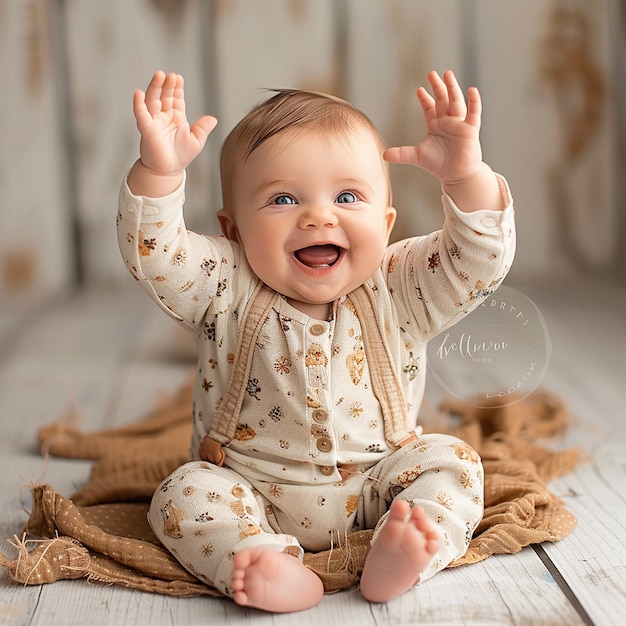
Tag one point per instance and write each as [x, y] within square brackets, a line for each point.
[168, 144]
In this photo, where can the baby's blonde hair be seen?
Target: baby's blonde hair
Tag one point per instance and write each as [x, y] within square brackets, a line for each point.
[286, 110]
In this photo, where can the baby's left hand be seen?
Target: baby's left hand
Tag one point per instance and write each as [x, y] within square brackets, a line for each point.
[451, 150]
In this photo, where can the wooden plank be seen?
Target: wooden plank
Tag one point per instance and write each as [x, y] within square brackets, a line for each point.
[480, 594]
[592, 560]
[35, 241]
[114, 48]
[279, 44]
[69, 355]
[495, 591]
[71, 601]
[17, 603]
[586, 371]
[541, 86]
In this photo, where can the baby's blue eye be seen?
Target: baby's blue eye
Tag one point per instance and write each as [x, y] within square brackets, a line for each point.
[346, 197]
[284, 200]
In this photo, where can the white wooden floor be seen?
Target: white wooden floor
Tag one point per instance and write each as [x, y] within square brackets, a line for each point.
[110, 353]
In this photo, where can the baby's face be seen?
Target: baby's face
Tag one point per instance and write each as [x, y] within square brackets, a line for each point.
[312, 215]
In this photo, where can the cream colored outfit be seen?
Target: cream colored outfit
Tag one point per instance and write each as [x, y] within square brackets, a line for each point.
[309, 407]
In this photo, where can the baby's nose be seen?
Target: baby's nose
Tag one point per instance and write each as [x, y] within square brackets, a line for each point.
[318, 217]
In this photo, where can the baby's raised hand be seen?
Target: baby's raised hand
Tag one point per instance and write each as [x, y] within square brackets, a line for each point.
[451, 150]
[168, 143]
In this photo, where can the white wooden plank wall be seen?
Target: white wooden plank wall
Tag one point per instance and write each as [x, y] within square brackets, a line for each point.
[74, 65]
[549, 116]
[35, 235]
[114, 47]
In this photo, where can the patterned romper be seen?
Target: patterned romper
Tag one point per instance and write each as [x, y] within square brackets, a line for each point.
[312, 457]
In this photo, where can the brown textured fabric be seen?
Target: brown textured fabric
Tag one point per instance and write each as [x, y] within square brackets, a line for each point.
[101, 532]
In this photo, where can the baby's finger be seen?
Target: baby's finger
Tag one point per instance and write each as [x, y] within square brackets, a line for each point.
[179, 93]
[457, 106]
[440, 92]
[168, 91]
[474, 107]
[153, 93]
[402, 154]
[203, 127]
[142, 115]
[427, 103]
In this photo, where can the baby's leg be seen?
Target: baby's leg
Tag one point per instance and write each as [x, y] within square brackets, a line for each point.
[403, 548]
[204, 515]
[274, 581]
[441, 476]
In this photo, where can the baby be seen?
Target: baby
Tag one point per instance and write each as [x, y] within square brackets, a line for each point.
[311, 334]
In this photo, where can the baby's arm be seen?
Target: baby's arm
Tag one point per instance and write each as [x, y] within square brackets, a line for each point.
[451, 150]
[180, 270]
[168, 143]
[453, 269]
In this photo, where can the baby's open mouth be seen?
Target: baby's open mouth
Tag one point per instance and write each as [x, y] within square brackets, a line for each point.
[319, 256]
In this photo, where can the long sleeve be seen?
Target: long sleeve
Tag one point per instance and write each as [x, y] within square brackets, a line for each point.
[437, 278]
[183, 272]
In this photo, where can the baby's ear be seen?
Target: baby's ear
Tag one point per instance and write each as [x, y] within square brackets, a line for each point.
[227, 224]
[390, 220]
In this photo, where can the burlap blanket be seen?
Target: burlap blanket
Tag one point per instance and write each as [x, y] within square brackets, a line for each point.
[101, 532]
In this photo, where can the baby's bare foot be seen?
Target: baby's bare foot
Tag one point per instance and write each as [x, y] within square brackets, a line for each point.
[274, 581]
[403, 548]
